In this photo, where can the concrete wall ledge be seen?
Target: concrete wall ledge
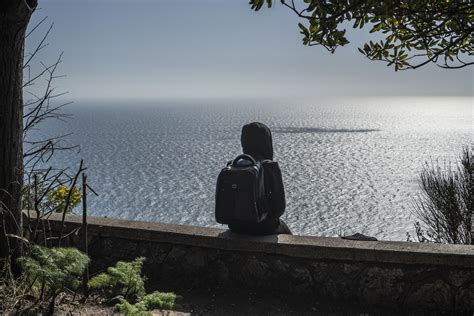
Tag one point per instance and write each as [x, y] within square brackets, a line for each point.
[309, 247]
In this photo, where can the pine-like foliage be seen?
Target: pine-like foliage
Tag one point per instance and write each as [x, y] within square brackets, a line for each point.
[52, 270]
[159, 300]
[147, 303]
[124, 279]
[128, 309]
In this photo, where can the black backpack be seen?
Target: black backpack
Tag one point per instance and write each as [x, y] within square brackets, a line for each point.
[240, 192]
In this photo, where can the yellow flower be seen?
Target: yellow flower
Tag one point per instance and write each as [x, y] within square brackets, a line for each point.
[58, 198]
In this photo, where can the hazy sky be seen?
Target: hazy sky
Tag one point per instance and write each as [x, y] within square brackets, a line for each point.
[214, 48]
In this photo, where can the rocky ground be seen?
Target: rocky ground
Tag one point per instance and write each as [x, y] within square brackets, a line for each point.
[229, 302]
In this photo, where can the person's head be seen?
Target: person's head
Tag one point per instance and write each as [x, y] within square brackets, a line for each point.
[256, 141]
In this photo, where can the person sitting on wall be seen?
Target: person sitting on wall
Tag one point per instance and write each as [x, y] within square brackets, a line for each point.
[250, 196]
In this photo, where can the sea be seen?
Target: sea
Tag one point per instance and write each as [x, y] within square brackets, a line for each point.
[350, 165]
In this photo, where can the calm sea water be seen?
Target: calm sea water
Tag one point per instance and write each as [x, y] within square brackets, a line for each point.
[348, 165]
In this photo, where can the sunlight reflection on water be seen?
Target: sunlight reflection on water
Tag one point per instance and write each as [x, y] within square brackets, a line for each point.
[348, 165]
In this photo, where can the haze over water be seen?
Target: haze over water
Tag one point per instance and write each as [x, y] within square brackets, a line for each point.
[349, 165]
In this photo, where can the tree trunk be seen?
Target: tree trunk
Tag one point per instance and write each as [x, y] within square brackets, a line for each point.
[14, 18]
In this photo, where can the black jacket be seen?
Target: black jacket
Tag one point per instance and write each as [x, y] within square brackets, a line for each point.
[256, 141]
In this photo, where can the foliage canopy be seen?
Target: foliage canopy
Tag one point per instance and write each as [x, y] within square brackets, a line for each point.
[414, 32]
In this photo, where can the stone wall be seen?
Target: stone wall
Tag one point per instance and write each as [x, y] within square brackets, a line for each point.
[396, 275]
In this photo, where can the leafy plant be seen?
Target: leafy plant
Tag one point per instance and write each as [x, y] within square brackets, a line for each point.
[445, 206]
[124, 279]
[148, 303]
[132, 309]
[51, 271]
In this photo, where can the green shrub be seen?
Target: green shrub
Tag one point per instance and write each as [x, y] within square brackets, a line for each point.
[52, 270]
[124, 279]
[138, 309]
[125, 282]
[49, 271]
[147, 303]
[159, 300]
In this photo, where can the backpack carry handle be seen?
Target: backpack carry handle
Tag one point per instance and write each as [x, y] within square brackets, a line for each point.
[244, 157]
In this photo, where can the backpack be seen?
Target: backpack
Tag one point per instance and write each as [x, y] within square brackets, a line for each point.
[240, 192]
